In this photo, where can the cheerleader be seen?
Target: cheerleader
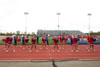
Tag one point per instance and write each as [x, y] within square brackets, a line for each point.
[91, 41]
[44, 42]
[33, 40]
[10, 45]
[55, 41]
[75, 43]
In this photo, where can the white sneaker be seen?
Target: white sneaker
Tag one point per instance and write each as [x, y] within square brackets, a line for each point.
[76, 50]
[13, 50]
[88, 50]
[36, 50]
[72, 50]
[6, 51]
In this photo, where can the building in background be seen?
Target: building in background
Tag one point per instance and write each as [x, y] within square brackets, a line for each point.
[59, 32]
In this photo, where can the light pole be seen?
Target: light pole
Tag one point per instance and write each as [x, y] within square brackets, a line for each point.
[26, 13]
[58, 19]
[89, 14]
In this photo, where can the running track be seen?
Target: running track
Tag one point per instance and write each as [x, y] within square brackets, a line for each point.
[48, 54]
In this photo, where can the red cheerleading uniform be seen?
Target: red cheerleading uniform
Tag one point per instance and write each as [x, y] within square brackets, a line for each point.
[4, 40]
[75, 41]
[18, 39]
[61, 40]
[26, 40]
[58, 37]
[7, 39]
[55, 41]
[53, 38]
[90, 40]
[33, 40]
[43, 40]
[10, 41]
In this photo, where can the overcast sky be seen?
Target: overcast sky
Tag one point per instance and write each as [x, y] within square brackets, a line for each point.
[42, 15]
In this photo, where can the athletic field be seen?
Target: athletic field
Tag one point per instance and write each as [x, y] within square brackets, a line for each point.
[48, 54]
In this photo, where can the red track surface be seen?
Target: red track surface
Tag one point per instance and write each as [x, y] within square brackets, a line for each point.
[48, 54]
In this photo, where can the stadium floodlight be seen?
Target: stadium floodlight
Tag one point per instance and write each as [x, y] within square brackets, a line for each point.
[58, 19]
[58, 13]
[26, 13]
[89, 14]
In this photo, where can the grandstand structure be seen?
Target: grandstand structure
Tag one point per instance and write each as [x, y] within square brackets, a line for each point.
[59, 32]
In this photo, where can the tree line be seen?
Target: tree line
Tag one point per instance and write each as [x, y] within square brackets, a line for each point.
[16, 33]
[94, 33]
